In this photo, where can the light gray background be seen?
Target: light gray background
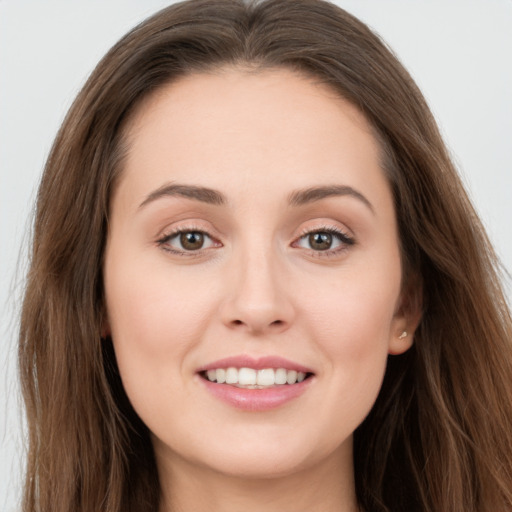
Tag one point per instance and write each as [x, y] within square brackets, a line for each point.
[459, 52]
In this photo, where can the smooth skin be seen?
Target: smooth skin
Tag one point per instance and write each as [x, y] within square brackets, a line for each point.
[256, 268]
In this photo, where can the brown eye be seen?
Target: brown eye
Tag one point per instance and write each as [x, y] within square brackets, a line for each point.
[328, 240]
[320, 241]
[192, 240]
[187, 241]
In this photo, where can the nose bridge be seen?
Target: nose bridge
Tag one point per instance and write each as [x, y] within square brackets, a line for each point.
[258, 279]
[258, 299]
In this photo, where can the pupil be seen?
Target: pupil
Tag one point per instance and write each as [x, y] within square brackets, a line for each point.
[192, 240]
[320, 241]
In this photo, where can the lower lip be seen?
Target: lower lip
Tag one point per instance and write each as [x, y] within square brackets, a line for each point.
[257, 399]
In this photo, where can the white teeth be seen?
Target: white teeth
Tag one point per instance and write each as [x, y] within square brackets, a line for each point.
[246, 377]
[231, 376]
[280, 376]
[266, 377]
[291, 377]
[257, 379]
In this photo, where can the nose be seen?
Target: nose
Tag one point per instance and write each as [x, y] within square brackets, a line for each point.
[258, 296]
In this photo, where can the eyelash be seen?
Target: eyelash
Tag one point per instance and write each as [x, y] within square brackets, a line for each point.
[345, 240]
[167, 237]
[342, 237]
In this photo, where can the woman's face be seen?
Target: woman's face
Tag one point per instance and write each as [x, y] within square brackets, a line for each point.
[253, 228]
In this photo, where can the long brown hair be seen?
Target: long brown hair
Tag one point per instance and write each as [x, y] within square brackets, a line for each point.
[439, 437]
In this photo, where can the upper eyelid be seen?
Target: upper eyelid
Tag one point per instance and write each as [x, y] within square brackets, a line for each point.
[346, 233]
[170, 232]
[183, 227]
[343, 239]
[163, 242]
[166, 236]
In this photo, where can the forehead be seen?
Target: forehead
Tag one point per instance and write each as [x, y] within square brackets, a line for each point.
[243, 128]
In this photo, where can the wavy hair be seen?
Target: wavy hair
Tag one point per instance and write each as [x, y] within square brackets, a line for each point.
[439, 437]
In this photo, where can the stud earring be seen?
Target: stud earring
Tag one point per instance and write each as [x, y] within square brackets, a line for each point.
[403, 335]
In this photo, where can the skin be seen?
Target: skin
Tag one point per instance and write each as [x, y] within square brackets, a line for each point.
[257, 286]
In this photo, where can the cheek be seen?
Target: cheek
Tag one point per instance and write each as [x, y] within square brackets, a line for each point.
[356, 351]
[352, 321]
[152, 325]
[149, 306]
[354, 312]
[356, 343]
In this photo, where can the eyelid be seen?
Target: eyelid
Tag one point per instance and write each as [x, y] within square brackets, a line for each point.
[345, 240]
[170, 234]
[343, 237]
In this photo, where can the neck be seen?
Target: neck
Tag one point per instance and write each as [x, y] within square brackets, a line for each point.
[327, 486]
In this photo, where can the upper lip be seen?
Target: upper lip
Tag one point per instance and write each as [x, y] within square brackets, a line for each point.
[257, 363]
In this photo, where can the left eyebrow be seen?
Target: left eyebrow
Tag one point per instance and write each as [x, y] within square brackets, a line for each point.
[312, 194]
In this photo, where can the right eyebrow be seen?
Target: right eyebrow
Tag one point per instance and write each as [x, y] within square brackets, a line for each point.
[203, 194]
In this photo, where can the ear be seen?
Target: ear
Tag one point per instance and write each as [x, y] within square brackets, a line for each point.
[407, 317]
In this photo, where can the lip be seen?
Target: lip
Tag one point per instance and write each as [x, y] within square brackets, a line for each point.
[257, 363]
[256, 399]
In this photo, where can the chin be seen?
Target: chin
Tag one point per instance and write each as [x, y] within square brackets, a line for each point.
[260, 457]
[256, 467]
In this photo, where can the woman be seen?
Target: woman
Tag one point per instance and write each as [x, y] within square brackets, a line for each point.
[257, 282]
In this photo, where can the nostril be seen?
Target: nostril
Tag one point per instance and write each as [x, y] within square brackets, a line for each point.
[258, 325]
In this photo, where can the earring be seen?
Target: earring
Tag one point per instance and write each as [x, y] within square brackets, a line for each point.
[403, 335]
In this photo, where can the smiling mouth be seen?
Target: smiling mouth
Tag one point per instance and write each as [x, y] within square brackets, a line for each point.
[249, 378]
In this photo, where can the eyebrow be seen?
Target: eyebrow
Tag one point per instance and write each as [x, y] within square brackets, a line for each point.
[211, 196]
[312, 194]
[203, 194]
